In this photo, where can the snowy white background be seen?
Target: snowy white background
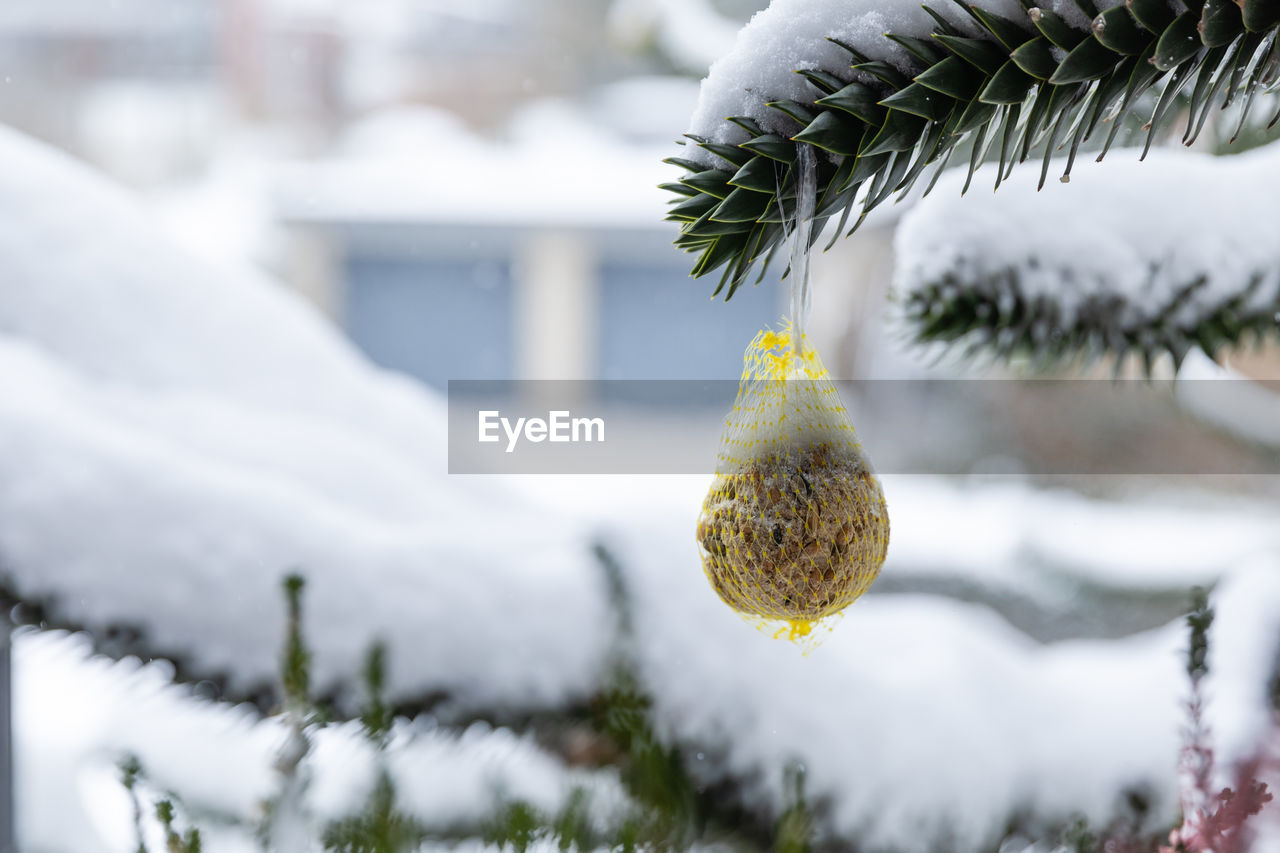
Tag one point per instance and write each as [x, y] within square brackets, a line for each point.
[176, 437]
[178, 431]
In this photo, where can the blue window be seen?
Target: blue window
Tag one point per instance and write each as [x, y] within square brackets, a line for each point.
[658, 323]
[433, 319]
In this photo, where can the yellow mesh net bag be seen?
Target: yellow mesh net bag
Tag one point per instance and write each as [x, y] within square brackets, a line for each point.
[795, 527]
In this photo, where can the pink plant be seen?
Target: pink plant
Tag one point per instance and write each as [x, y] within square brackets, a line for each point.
[1213, 822]
[1220, 827]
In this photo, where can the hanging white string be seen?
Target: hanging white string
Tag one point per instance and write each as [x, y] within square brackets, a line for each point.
[806, 200]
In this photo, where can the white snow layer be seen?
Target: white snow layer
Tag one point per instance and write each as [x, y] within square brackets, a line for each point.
[174, 438]
[1137, 231]
[923, 721]
[1001, 534]
[795, 35]
[77, 716]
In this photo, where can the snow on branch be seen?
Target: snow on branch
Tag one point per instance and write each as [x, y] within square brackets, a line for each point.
[177, 437]
[804, 35]
[80, 713]
[890, 91]
[1162, 256]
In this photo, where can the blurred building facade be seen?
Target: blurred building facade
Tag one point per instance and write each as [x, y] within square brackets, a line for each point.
[153, 90]
[302, 68]
[528, 300]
